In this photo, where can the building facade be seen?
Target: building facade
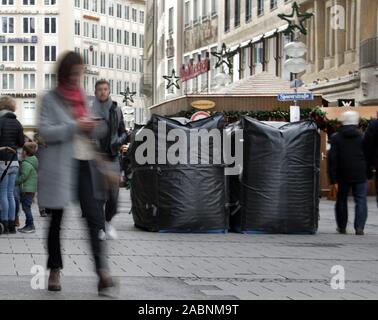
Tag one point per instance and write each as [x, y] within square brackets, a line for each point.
[342, 43]
[108, 34]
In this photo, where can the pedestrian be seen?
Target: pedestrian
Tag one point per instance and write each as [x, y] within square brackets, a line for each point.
[371, 150]
[110, 146]
[67, 163]
[27, 182]
[12, 136]
[348, 169]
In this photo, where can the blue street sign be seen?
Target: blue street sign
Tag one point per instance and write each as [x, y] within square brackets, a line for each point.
[295, 96]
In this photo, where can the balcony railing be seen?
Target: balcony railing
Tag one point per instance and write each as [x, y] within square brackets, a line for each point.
[369, 53]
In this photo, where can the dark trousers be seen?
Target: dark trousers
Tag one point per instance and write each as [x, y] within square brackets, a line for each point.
[111, 204]
[26, 202]
[360, 198]
[93, 212]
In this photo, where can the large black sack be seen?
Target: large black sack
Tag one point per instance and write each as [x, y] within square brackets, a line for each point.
[179, 197]
[278, 191]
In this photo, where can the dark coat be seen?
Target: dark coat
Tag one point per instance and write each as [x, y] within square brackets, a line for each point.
[11, 135]
[371, 145]
[117, 135]
[347, 162]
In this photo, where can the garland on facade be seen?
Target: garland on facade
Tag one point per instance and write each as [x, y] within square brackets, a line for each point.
[317, 115]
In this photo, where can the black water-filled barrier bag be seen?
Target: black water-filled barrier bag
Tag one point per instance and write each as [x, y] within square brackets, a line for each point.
[278, 190]
[183, 197]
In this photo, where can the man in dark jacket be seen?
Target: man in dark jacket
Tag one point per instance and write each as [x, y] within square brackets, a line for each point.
[348, 169]
[371, 150]
[110, 145]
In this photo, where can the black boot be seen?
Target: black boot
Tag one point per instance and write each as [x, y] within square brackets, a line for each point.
[12, 227]
[5, 225]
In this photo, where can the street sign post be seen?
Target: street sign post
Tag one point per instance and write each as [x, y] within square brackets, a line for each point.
[305, 96]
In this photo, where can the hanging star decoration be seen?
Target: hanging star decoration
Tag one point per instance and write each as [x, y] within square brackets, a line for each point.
[296, 20]
[225, 57]
[128, 96]
[173, 80]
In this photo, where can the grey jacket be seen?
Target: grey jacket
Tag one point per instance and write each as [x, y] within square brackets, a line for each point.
[57, 174]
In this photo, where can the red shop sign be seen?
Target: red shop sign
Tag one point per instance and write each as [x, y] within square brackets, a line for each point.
[192, 70]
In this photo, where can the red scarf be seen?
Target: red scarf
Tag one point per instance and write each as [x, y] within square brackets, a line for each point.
[75, 97]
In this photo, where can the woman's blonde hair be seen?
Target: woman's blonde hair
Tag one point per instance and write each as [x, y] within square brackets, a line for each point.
[7, 103]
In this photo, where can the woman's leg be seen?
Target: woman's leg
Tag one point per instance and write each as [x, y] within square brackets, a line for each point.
[12, 175]
[4, 198]
[93, 211]
[53, 244]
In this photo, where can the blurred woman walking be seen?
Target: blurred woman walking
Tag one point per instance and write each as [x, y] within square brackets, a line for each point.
[67, 167]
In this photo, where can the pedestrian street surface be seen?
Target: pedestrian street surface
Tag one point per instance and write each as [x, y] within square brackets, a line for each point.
[200, 266]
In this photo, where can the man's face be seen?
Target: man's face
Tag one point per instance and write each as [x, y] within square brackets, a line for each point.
[102, 92]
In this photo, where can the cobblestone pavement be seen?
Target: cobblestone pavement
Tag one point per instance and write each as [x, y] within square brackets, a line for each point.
[187, 266]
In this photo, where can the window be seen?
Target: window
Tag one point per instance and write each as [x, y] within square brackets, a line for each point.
[29, 81]
[141, 41]
[119, 62]
[170, 20]
[119, 87]
[127, 63]
[111, 35]
[103, 7]
[102, 59]
[127, 38]
[273, 4]
[50, 81]
[111, 8]
[29, 53]
[133, 87]
[86, 56]
[94, 58]
[171, 90]
[7, 53]
[134, 39]
[77, 50]
[50, 53]
[119, 10]
[119, 36]
[7, 2]
[214, 7]
[29, 113]
[141, 16]
[141, 67]
[111, 85]
[77, 3]
[86, 29]
[103, 33]
[29, 25]
[127, 85]
[259, 53]
[94, 5]
[28, 2]
[134, 65]
[134, 15]
[8, 81]
[260, 7]
[50, 25]
[237, 13]
[111, 60]
[187, 14]
[204, 8]
[195, 11]
[94, 31]
[50, 2]
[248, 10]
[227, 9]
[7, 24]
[127, 12]
[77, 27]
[86, 83]
[86, 4]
